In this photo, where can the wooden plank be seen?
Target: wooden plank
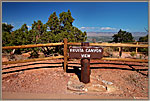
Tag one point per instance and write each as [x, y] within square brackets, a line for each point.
[126, 59]
[65, 54]
[31, 60]
[73, 43]
[130, 52]
[120, 51]
[111, 44]
[117, 45]
[136, 48]
[122, 59]
[31, 46]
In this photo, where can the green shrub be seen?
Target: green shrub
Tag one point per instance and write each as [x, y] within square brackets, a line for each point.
[132, 54]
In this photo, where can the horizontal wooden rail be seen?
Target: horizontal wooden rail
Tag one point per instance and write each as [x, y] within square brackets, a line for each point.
[123, 59]
[126, 59]
[117, 45]
[130, 52]
[111, 44]
[138, 42]
[31, 60]
[71, 43]
[31, 46]
[74, 43]
[58, 57]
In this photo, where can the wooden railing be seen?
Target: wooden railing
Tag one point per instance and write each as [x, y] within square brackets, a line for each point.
[32, 60]
[32, 46]
[119, 45]
[72, 44]
[111, 45]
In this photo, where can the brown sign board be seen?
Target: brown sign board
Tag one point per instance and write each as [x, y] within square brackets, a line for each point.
[89, 52]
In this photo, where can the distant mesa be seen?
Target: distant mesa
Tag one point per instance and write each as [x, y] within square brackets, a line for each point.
[107, 36]
[101, 33]
[112, 33]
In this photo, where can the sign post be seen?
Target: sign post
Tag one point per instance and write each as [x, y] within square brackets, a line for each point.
[85, 53]
[85, 67]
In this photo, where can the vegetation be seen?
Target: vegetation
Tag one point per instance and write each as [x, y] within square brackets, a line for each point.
[132, 54]
[143, 39]
[6, 30]
[122, 37]
[53, 31]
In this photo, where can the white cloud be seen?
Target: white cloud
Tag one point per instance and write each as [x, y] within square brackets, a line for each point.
[89, 28]
[97, 28]
[82, 27]
[107, 28]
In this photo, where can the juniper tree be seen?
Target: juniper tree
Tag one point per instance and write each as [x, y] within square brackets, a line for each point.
[53, 31]
[122, 36]
[70, 32]
[143, 39]
[6, 34]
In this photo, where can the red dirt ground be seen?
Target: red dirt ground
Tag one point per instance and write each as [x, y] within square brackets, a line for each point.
[48, 77]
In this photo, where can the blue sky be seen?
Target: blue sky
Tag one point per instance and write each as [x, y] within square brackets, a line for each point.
[89, 16]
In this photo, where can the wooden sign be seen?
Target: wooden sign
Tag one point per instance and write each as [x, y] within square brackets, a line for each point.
[85, 52]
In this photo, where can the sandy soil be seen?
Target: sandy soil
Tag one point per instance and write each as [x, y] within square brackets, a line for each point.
[47, 80]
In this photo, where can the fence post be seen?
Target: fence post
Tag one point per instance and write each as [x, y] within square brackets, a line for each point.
[136, 48]
[120, 51]
[65, 54]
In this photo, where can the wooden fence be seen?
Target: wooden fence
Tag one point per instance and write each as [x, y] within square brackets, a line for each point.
[66, 44]
[32, 46]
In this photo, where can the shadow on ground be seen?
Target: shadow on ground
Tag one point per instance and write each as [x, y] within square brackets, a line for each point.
[76, 68]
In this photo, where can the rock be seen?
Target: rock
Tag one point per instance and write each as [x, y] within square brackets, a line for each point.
[4, 59]
[95, 85]
[41, 55]
[75, 77]
[141, 98]
[97, 88]
[79, 93]
[75, 86]
[21, 72]
[26, 54]
[20, 57]
[7, 80]
[85, 89]
[111, 88]
[107, 82]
